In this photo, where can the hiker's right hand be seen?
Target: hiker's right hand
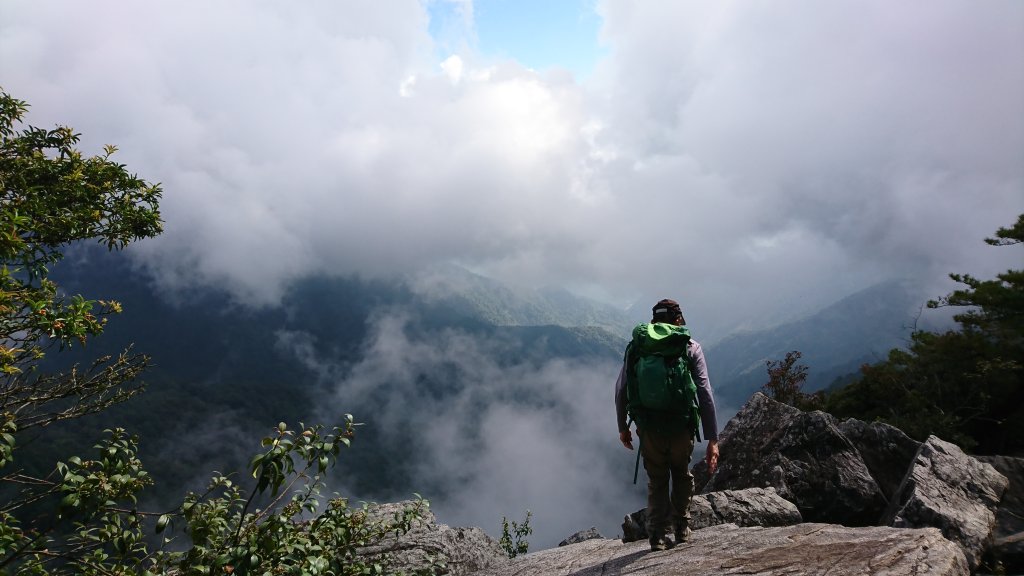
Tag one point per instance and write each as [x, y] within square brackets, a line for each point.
[626, 438]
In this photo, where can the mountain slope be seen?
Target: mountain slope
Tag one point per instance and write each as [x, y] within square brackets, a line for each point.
[488, 300]
[224, 373]
[836, 341]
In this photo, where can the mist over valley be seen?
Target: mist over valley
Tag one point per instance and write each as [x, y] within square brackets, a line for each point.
[486, 399]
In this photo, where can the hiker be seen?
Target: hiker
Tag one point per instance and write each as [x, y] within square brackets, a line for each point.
[667, 437]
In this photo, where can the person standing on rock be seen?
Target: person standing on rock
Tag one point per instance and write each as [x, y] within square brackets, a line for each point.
[666, 417]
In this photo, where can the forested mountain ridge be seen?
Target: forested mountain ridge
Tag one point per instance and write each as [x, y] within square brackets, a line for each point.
[217, 361]
[494, 302]
[221, 365]
[835, 341]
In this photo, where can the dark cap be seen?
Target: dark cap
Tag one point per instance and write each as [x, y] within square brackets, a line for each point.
[667, 311]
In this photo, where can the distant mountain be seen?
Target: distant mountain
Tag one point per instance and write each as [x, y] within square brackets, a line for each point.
[230, 355]
[223, 371]
[476, 296]
[834, 342]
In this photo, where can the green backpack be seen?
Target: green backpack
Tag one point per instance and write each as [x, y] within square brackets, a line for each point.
[660, 393]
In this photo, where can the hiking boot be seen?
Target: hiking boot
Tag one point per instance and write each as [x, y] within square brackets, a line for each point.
[661, 543]
[682, 533]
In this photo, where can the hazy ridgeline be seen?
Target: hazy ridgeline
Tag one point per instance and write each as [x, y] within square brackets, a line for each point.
[486, 401]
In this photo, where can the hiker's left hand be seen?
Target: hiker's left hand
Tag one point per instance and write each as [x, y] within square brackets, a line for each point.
[626, 438]
[711, 457]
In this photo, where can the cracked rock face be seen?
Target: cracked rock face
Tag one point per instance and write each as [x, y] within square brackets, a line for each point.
[953, 492]
[728, 549]
[1008, 537]
[804, 456]
[885, 450]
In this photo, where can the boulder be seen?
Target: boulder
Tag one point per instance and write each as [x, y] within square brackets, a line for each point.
[885, 450]
[634, 526]
[729, 549]
[750, 507]
[745, 441]
[464, 550]
[1008, 537]
[953, 492]
[588, 534]
[804, 456]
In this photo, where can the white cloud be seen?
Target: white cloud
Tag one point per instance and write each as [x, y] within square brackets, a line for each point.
[503, 437]
[452, 67]
[408, 86]
[857, 130]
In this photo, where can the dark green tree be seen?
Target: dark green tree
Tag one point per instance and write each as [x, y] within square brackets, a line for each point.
[965, 385]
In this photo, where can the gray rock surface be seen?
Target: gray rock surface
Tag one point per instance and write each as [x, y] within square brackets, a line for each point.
[634, 526]
[806, 549]
[748, 436]
[953, 492]
[750, 507]
[465, 550]
[588, 534]
[1008, 536]
[803, 455]
[885, 450]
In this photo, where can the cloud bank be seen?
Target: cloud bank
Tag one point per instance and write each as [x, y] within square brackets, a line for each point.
[481, 435]
[741, 155]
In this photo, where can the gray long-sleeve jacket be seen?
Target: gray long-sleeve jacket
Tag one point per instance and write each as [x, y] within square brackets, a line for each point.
[705, 396]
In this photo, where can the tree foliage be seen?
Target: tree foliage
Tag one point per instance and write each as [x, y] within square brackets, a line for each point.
[965, 385]
[514, 536]
[289, 534]
[52, 196]
[786, 380]
[83, 516]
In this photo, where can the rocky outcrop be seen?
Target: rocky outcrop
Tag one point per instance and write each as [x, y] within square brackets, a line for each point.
[1008, 537]
[779, 465]
[750, 507]
[634, 526]
[588, 534]
[728, 549]
[953, 492]
[855, 473]
[886, 451]
[749, 436]
[463, 550]
[804, 456]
